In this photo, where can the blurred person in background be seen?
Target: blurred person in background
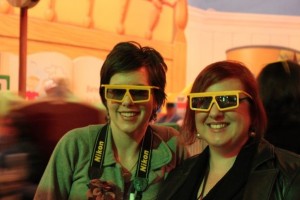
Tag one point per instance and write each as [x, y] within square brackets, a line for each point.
[279, 86]
[171, 115]
[55, 113]
[225, 110]
[9, 100]
[58, 89]
[20, 161]
[128, 157]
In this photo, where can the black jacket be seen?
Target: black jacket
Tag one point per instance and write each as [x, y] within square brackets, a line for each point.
[275, 175]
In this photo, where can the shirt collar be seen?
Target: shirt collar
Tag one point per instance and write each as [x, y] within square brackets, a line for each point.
[161, 153]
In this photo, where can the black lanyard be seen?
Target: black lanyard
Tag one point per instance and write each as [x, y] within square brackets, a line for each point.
[140, 181]
[97, 158]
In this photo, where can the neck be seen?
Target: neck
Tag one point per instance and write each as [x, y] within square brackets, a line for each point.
[221, 157]
[126, 147]
[126, 156]
[217, 167]
[221, 163]
[127, 140]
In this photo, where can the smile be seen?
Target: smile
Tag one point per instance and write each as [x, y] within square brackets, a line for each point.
[218, 126]
[129, 114]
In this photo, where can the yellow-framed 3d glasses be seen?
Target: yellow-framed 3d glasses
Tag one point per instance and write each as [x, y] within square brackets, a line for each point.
[225, 100]
[137, 93]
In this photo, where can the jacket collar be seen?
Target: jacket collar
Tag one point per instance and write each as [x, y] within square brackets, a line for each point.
[265, 152]
[261, 180]
[161, 154]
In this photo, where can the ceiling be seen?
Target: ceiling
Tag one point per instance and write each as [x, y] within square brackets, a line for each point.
[277, 7]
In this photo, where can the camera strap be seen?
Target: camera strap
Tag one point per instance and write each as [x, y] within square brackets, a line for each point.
[140, 181]
[97, 159]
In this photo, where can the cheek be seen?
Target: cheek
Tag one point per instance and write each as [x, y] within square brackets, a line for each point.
[200, 119]
[243, 117]
[112, 106]
[200, 116]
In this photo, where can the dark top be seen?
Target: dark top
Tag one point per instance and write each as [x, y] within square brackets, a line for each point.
[272, 174]
[224, 189]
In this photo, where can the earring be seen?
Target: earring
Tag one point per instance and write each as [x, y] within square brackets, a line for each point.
[198, 135]
[252, 134]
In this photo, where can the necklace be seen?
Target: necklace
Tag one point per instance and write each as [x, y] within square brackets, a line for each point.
[204, 184]
[126, 173]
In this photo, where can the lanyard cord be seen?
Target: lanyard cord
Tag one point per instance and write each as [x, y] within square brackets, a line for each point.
[204, 184]
[97, 158]
[140, 181]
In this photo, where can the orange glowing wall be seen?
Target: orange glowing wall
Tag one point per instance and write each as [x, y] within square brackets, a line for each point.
[92, 28]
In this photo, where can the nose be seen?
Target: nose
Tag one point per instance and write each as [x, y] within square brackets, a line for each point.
[215, 112]
[127, 100]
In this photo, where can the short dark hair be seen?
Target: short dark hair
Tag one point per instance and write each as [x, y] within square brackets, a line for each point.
[215, 73]
[279, 86]
[131, 56]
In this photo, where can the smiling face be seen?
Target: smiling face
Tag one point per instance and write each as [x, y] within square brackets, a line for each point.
[225, 130]
[128, 117]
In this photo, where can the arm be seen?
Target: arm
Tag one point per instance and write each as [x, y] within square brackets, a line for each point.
[56, 181]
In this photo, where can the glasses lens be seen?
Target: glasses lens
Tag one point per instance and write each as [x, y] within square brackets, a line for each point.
[201, 102]
[139, 94]
[227, 101]
[115, 94]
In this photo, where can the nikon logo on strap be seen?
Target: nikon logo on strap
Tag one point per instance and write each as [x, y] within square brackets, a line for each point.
[144, 161]
[99, 152]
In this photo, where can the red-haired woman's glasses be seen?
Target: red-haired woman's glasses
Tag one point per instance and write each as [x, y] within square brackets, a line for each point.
[225, 100]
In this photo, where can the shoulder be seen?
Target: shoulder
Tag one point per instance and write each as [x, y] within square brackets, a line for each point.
[288, 164]
[286, 161]
[191, 161]
[90, 129]
[165, 131]
[280, 154]
[166, 142]
[77, 144]
[81, 135]
[185, 167]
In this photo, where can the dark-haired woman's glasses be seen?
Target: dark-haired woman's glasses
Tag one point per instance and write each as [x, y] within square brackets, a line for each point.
[225, 100]
[137, 93]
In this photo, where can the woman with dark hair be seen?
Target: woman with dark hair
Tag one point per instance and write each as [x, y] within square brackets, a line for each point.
[224, 110]
[128, 157]
[279, 88]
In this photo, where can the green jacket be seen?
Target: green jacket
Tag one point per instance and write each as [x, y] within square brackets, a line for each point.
[66, 175]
